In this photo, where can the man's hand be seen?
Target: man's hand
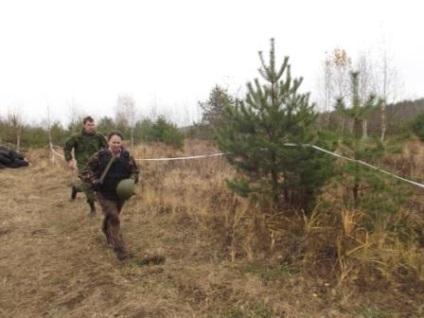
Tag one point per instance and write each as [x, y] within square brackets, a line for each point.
[96, 185]
[72, 164]
[134, 177]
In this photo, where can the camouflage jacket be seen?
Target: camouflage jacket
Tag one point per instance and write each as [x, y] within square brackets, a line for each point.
[98, 162]
[84, 146]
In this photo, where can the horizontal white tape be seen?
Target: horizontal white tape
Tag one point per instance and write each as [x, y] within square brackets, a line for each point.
[357, 161]
[183, 158]
[285, 144]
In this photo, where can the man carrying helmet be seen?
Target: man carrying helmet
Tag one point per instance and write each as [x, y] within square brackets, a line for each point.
[112, 173]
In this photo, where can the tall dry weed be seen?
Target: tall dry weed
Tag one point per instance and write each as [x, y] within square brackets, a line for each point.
[195, 190]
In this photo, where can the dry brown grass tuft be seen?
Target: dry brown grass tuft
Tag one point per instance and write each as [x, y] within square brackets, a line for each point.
[224, 257]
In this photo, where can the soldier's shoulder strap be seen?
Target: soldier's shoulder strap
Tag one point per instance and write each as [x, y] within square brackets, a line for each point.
[107, 168]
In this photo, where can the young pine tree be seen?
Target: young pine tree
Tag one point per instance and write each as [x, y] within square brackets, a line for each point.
[263, 135]
[212, 110]
[382, 197]
[214, 106]
[354, 139]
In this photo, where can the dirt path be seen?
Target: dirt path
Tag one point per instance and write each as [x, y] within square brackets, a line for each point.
[53, 260]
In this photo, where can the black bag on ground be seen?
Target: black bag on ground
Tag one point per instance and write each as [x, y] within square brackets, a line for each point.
[11, 159]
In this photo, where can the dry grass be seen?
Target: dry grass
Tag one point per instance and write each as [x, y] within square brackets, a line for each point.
[224, 258]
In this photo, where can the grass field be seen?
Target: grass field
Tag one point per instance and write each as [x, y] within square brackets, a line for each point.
[221, 261]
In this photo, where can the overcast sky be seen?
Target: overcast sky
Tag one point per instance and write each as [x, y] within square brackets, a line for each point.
[76, 57]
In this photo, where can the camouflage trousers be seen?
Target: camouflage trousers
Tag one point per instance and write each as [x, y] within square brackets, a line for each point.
[111, 223]
[85, 187]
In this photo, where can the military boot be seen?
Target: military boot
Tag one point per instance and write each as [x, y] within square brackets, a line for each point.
[74, 192]
[92, 209]
[104, 230]
[121, 254]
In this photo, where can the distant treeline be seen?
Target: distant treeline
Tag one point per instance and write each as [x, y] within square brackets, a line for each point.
[399, 117]
[21, 135]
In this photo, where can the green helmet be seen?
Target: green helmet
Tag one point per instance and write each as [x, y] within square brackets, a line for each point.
[125, 189]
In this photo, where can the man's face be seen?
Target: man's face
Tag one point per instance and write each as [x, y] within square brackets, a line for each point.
[89, 127]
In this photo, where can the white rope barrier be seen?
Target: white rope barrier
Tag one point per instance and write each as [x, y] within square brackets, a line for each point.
[357, 161]
[153, 159]
[285, 144]
[182, 158]
[55, 152]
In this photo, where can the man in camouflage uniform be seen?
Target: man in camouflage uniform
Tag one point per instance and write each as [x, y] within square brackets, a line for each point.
[84, 145]
[105, 169]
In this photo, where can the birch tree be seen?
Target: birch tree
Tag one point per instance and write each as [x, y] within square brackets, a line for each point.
[366, 83]
[126, 114]
[336, 68]
[16, 121]
[388, 86]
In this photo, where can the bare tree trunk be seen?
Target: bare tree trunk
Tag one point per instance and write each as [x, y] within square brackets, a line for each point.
[16, 122]
[18, 138]
[385, 80]
[365, 129]
[383, 106]
[383, 121]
